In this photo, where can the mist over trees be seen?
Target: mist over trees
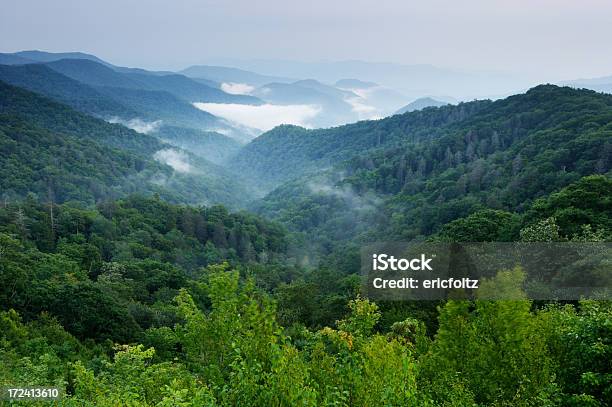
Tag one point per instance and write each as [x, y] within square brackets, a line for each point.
[180, 266]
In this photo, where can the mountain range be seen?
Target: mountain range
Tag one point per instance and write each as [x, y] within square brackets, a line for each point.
[49, 148]
[104, 98]
[115, 229]
[413, 81]
[412, 173]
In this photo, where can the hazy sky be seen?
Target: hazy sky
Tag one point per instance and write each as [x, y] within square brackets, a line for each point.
[554, 39]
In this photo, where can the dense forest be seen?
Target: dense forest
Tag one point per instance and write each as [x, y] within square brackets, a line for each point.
[99, 160]
[196, 298]
[124, 281]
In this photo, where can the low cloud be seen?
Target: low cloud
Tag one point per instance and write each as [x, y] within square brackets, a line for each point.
[353, 200]
[137, 124]
[225, 132]
[262, 117]
[178, 160]
[363, 110]
[360, 104]
[237, 88]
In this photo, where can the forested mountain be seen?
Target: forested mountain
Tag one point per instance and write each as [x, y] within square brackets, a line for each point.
[127, 258]
[190, 90]
[386, 100]
[324, 89]
[156, 97]
[41, 79]
[99, 90]
[42, 56]
[161, 105]
[503, 156]
[96, 74]
[122, 282]
[61, 154]
[288, 152]
[12, 59]
[113, 103]
[212, 146]
[413, 81]
[92, 73]
[30, 57]
[45, 113]
[76, 281]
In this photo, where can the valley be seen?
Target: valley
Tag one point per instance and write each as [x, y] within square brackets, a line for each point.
[193, 237]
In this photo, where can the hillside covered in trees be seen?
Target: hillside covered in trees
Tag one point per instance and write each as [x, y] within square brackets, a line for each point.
[123, 281]
[60, 155]
[504, 157]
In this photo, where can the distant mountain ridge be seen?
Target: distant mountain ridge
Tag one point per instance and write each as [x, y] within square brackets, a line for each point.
[42, 56]
[601, 84]
[93, 73]
[412, 80]
[107, 102]
[420, 104]
[328, 105]
[99, 90]
[41, 79]
[222, 74]
[331, 100]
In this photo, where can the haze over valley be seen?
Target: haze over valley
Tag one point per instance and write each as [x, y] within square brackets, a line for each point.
[196, 199]
[210, 113]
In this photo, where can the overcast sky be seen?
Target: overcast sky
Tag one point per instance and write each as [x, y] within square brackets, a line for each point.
[553, 39]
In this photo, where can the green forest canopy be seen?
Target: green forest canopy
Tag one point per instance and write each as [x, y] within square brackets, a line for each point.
[126, 299]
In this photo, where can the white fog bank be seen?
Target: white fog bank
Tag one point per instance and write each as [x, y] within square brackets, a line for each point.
[237, 88]
[262, 117]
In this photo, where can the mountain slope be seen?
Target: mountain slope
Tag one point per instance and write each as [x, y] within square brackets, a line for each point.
[161, 105]
[42, 56]
[12, 59]
[504, 156]
[383, 100]
[61, 168]
[212, 146]
[189, 89]
[47, 114]
[41, 79]
[92, 73]
[411, 80]
[156, 97]
[38, 132]
[352, 83]
[96, 74]
[288, 152]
